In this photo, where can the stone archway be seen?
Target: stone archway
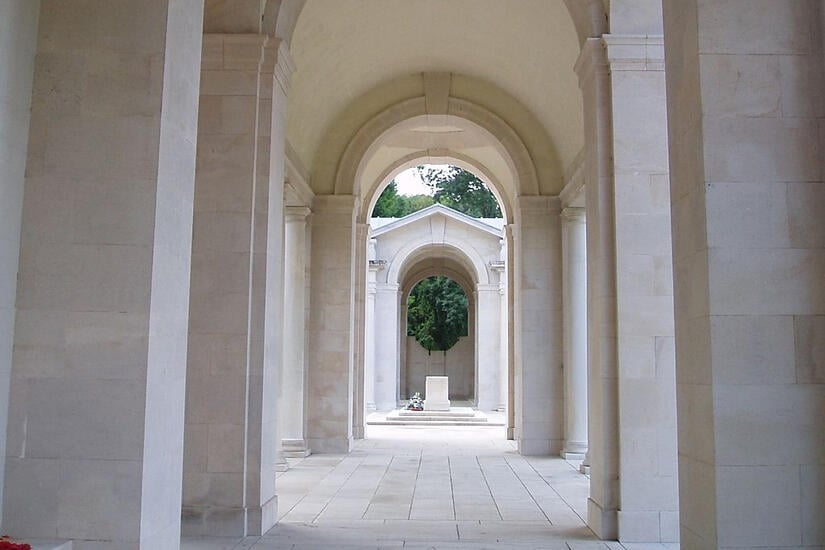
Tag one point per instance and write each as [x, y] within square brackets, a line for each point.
[459, 363]
[435, 241]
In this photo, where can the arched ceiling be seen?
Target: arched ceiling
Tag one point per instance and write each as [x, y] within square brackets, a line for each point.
[523, 49]
[437, 260]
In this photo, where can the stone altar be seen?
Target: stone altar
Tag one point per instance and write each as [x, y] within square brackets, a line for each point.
[436, 395]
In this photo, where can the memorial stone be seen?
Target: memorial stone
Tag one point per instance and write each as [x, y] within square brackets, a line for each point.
[436, 397]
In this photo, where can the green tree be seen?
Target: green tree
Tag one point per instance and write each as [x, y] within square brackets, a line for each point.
[437, 313]
[462, 191]
[392, 205]
[453, 187]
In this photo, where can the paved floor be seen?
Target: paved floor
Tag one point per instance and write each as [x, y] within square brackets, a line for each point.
[437, 488]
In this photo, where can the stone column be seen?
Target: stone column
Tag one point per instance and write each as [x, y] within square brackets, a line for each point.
[235, 331]
[96, 414]
[370, 328]
[575, 332]
[292, 408]
[331, 324]
[539, 384]
[500, 268]
[509, 322]
[745, 97]
[18, 41]
[387, 345]
[630, 291]
[488, 341]
[603, 503]
[359, 402]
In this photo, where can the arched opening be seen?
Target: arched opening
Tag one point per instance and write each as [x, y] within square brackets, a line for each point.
[437, 339]
[436, 241]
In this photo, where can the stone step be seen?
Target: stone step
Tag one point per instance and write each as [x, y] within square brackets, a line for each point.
[405, 422]
[447, 414]
[433, 418]
[458, 416]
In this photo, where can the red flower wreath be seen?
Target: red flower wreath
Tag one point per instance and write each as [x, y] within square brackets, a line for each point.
[6, 543]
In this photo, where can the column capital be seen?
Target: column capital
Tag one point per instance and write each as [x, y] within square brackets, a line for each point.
[539, 204]
[635, 53]
[294, 214]
[484, 288]
[334, 203]
[592, 61]
[387, 287]
[574, 214]
[277, 61]
[377, 265]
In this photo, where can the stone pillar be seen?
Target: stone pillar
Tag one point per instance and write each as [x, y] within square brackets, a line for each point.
[96, 414]
[510, 327]
[292, 408]
[370, 328]
[359, 402]
[488, 341]
[18, 42]
[644, 289]
[575, 332]
[387, 345]
[331, 324]
[503, 330]
[538, 379]
[235, 329]
[745, 97]
[603, 503]
[630, 291]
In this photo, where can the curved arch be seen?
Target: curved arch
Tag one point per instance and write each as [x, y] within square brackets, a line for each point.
[280, 18]
[351, 163]
[413, 277]
[434, 156]
[457, 250]
[590, 17]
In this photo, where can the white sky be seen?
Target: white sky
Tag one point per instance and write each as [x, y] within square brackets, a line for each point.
[409, 183]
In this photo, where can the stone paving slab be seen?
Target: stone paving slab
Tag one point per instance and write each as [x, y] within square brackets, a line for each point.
[421, 488]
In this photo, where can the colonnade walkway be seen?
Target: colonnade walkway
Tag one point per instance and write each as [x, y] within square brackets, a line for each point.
[416, 487]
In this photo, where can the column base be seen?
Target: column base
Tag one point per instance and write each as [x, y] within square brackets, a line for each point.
[572, 457]
[539, 447]
[294, 448]
[219, 521]
[574, 450]
[331, 445]
[604, 523]
[640, 527]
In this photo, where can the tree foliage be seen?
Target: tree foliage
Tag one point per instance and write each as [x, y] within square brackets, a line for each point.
[392, 205]
[437, 313]
[453, 187]
[462, 191]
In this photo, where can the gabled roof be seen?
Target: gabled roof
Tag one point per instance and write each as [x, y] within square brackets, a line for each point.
[436, 210]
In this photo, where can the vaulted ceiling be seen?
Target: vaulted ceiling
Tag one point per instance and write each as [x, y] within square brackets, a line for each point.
[519, 53]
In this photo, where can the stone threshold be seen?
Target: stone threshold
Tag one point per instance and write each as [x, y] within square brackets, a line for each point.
[457, 416]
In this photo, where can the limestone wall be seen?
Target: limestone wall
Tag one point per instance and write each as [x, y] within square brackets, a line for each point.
[18, 35]
[745, 85]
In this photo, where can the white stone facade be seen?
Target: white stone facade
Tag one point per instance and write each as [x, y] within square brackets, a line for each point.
[436, 241]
